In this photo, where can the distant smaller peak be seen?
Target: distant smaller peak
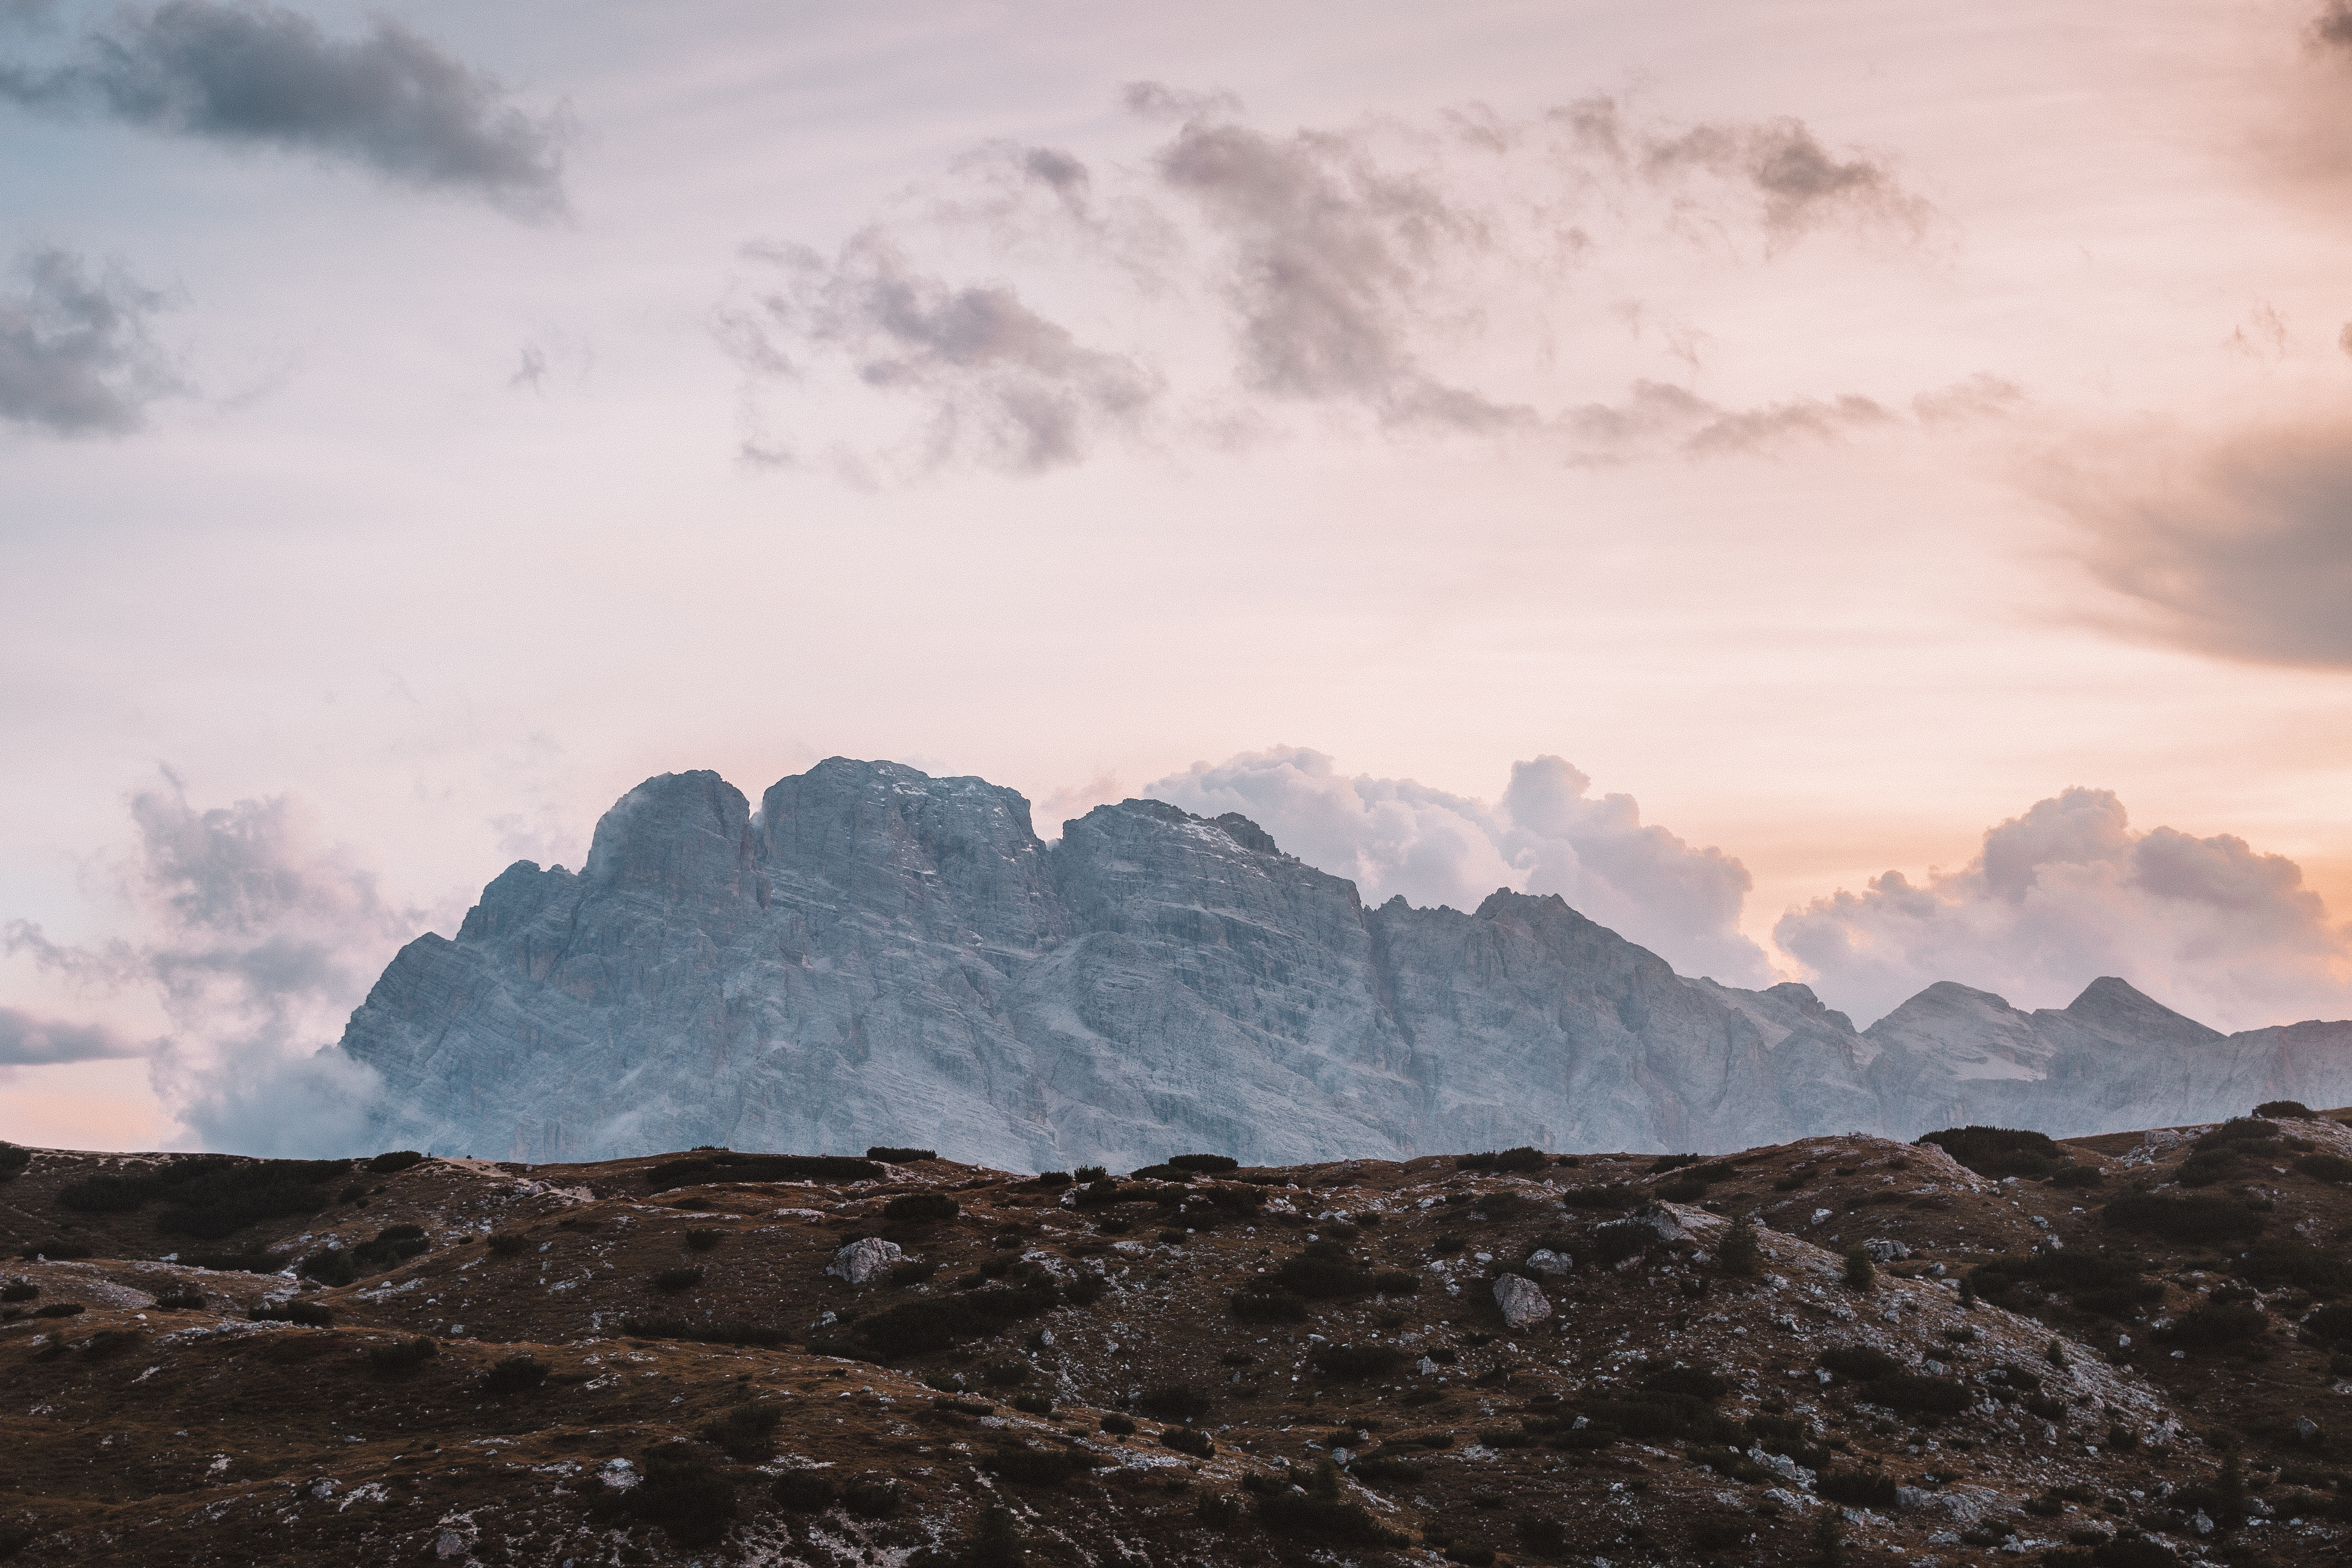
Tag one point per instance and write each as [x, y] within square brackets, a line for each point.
[1247, 834]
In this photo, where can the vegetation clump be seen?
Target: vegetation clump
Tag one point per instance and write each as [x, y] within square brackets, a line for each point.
[309, 1314]
[938, 1322]
[13, 1160]
[889, 1156]
[394, 1160]
[401, 1356]
[2188, 1221]
[747, 1433]
[683, 1494]
[1741, 1256]
[1998, 1151]
[723, 1165]
[921, 1208]
[1315, 1507]
[210, 1195]
[704, 1333]
[803, 1491]
[685, 1277]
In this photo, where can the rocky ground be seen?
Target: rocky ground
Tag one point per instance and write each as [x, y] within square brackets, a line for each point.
[1553, 1359]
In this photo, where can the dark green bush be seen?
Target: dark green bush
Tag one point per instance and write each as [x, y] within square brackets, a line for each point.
[1321, 1513]
[1185, 1440]
[1860, 1273]
[1034, 1404]
[401, 1356]
[353, 1193]
[1101, 1191]
[1383, 1469]
[1741, 1255]
[1322, 1278]
[307, 1313]
[1998, 1151]
[1470, 1555]
[1862, 1362]
[2271, 1264]
[938, 1322]
[2202, 1219]
[1615, 1196]
[1682, 1189]
[1652, 1416]
[1695, 1381]
[67, 1310]
[2290, 1108]
[2240, 1129]
[889, 1156]
[2331, 1323]
[210, 1195]
[1053, 1178]
[871, 1496]
[1666, 1162]
[1208, 1164]
[1357, 1361]
[2078, 1176]
[1856, 1489]
[1495, 1205]
[514, 1374]
[921, 1208]
[963, 1406]
[726, 1166]
[1086, 1289]
[747, 1433]
[914, 1271]
[2107, 1283]
[19, 1290]
[329, 1266]
[13, 1160]
[1117, 1425]
[685, 1277]
[2209, 1168]
[384, 1164]
[1088, 1173]
[2325, 1167]
[254, 1261]
[2210, 1327]
[508, 1244]
[1622, 1239]
[108, 1194]
[803, 1491]
[1918, 1395]
[61, 1251]
[181, 1300]
[1173, 1401]
[1396, 1282]
[686, 1496]
[1259, 1305]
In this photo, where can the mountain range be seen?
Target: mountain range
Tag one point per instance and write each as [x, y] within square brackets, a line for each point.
[879, 956]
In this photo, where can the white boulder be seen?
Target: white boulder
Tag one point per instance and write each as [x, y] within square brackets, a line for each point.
[860, 1261]
[1521, 1300]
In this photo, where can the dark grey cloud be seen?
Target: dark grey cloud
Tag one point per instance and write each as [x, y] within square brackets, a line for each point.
[1655, 417]
[1798, 183]
[2333, 26]
[258, 75]
[29, 1041]
[76, 355]
[1000, 384]
[2243, 548]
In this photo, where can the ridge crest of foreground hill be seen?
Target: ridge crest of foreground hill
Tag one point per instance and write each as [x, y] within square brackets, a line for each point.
[927, 1363]
[876, 950]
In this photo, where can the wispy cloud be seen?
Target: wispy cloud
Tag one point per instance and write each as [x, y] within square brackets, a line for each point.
[29, 1041]
[258, 75]
[76, 354]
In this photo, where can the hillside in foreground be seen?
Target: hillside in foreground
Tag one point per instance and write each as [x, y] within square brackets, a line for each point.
[2118, 1352]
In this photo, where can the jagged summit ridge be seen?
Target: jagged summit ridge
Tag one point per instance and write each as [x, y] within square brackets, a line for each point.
[877, 955]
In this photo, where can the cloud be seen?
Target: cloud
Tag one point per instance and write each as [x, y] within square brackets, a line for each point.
[2068, 892]
[1405, 278]
[75, 357]
[28, 1041]
[2239, 545]
[1546, 835]
[257, 939]
[258, 75]
[997, 383]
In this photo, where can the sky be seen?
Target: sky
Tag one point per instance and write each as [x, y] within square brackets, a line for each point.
[1848, 492]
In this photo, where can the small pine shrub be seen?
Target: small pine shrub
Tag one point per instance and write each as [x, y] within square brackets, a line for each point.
[330, 1266]
[889, 1156]
[2212, 1328]
[683, 1495]
[921, 1208]
[1053, 1178]
[1919, 1395]
[2202, 1219]
[351, 1194]
[1861, 1362]
[803, 1491]
[396, 1160]
[1396, 1282]
[1117, 1425]
[401, 1356]
[702, 1239]
[747, 1433]
[1034, 1404]
[914, 1271]
[1038, 1466]
[59, 1251]
[1860, 1273]
[1218, 1510]
[1207, 1165]
[1323, 1514]
[1998, 1151]
[181, 1300]
[13, 1160]
[67, 1310]
[1261, 1305]
[1856, 1489]
[19, 1290]
[2078, 1176]
[2324, 1168]
[1741, 1255]
[2289, 1108]
[1495, 1205]
[509, 1244]
[998, 1542]
[722, 1165]
[309, 1314]
[1357, 1361]
[1173, 1401]
[1086, 1289]
[1086, 1174]
[684, 1278]
[1616, 1242]
[514, 1374]
[1383, 1470]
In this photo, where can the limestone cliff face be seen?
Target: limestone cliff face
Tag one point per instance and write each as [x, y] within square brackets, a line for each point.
[879, 956]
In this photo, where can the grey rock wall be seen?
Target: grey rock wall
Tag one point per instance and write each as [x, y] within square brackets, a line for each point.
[877, 956]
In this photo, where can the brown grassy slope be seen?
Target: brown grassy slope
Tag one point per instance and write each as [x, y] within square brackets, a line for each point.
[136, 1434]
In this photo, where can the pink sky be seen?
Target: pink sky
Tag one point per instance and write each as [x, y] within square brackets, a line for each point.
[1839, 427]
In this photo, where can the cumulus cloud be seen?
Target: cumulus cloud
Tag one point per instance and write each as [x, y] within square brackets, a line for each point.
[2240, 546]
[29, 1041]
[1545, 835]
[258, 75]
[257, 938]
[76, 355]
[1397, 277]
[2069, 891]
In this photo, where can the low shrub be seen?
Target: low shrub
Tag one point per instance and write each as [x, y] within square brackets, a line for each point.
[914, 1271]
[1185, 1440]
[1666, 1162]
[746, 1433]
[2325, 1167]
[703, 1333]
[964, 1407]
[401, 1356]
[2212, 1328]
[1207, 1165]
[1998, 1151]
[726, 1166]
[686, 1496]
[13, 1160]
[2290, 1108]
[803, 1491]
[385, 1164]
[1053, 1178]
[1160, 1173]
[2276, 1262]
[938, 1322]
[1860, 1273]
[871, 1496]
[1622, 1239]
[1918, 1395]
[1319, 1275]
[19, 1290]
[1117, 1425]
[1101, 1191]
[2331, 1323]
[1086, 1289]
[210, 1195]
[253, 1260]
[1010, 1372]
[1495, 1205]
[1861, 1362]
[1741, 1254]
[311, 1315]
[1087, 1174]
[921, 1208]
[55, 1251]
[1396, 1282]
[685, 1277]
[111, 1343]
[67, 1310]
[1698, 1383]
[1034, 1404]
[2240, 1129]
[1614, 1196]
[1038, 1466]
[1856, 1489]
[1173, 1401]
[181, 1300]
[330, 1266]
[514, 1374]
[1321, 1512]
[1357, 1361]
[2109, 1283]
[2190, 1221]
[1649, 1417]
[1383, 1470]
[2079, 1176]
[889, 1156]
